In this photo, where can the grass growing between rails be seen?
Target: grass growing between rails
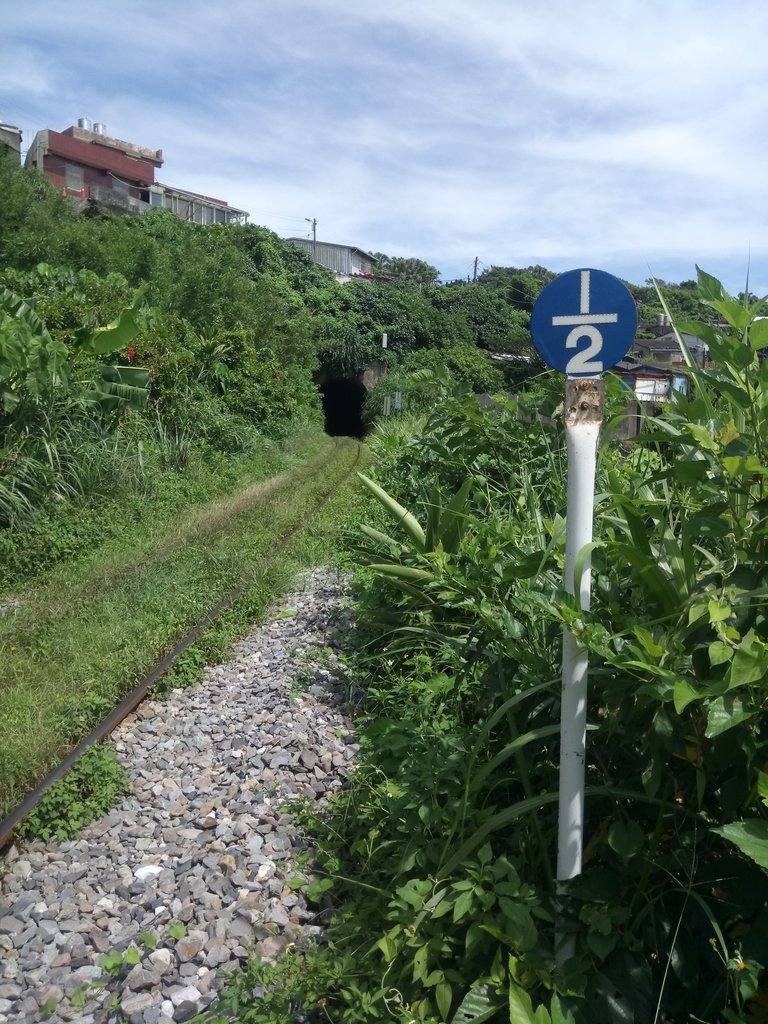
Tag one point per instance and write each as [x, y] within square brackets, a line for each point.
[95, 527]
[74, 646]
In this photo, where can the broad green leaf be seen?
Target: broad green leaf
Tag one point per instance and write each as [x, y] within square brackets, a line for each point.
[131, 956]
[558, 1017]
[388, 947]
[434, 510]
[724, 713]
[519, 924]
[649, 644]
[130, 376]
[758, 334]
[718, 612]
[463, 905]
[119, 334]
[477, 1006]
[626, 838]
[601, 945]
[454, 518]
[420, 964]
[684, 693]
[379, 537]
[177, 929]
[696, 611]
[762, 785]
[78, 997]
[737, 315]
[744, 466]
[690, 472]
[112, 961]
[719, 653]
[520, 1007]
[444, 998]
[748, 665]
[404, 572]
[728, 433]
[751, 837]
[710, 289]
[700, 434]
[713, 294]
[403, 516]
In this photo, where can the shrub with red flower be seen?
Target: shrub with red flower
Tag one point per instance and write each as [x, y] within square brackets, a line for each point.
[131, 354]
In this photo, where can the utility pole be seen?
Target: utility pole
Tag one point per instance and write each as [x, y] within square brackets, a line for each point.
[474, 275]
[313, 222]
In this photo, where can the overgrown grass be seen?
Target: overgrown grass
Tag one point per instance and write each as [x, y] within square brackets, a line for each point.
[97, 527]
[439, 854]
[74, 646]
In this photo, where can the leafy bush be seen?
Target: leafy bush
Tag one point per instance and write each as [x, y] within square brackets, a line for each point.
[424, 377]
[451, 822]
[89, 789]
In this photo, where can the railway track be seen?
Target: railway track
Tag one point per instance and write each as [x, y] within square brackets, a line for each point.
[138, 693]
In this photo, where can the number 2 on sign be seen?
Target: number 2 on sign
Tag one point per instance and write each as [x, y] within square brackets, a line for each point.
[584, 362]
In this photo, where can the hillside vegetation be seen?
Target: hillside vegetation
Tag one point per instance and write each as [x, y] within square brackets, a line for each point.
[440, 856]
[221, 330]
[149, 366]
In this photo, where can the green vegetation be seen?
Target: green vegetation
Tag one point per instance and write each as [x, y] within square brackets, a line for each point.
[93, 785]
[160, 435]
[116, 964]
[98, 624]
[439, 857]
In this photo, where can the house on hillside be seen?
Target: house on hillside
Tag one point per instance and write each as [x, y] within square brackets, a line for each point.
[652, 386]
[87, 164]
[346, 261]
[665, 350]
[10, 140]
[194, 207]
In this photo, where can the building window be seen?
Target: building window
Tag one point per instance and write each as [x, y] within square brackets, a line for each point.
[156, 198]
[74, 177]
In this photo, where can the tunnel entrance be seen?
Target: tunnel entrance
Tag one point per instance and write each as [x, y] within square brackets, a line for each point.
[343, 406]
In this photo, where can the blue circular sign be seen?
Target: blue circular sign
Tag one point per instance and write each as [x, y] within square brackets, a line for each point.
[584, 322]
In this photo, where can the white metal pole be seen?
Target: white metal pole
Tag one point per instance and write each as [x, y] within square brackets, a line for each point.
[583, 416]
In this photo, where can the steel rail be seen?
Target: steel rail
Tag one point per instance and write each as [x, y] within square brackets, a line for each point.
[140, 691]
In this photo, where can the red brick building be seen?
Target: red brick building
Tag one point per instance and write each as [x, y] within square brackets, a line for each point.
[86, 163]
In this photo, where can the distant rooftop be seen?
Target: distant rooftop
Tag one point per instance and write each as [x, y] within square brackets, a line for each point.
[100, 138]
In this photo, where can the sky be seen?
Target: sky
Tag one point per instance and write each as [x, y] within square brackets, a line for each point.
[623, 135]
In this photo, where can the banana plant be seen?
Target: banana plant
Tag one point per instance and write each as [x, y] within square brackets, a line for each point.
[30, 359]
[118, 386]
[35, 367]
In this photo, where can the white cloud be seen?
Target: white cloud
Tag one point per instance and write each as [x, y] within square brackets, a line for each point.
[565, 133]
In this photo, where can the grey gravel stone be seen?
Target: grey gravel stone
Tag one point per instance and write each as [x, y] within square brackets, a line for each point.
[201, 837]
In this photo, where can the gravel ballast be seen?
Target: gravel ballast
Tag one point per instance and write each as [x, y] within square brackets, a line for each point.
[204, 839]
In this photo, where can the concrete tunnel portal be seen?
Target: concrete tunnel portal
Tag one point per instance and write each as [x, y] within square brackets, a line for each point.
[343, 406]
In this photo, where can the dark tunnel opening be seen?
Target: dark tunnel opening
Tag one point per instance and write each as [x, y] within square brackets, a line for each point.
[343, 406]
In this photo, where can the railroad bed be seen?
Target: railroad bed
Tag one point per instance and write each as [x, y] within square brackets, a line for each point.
[203, 838]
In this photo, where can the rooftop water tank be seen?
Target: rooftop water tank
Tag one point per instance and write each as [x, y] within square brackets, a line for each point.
[99, 128]
[84, 122]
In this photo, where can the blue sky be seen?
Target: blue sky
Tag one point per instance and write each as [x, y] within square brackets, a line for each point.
[612, 134]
